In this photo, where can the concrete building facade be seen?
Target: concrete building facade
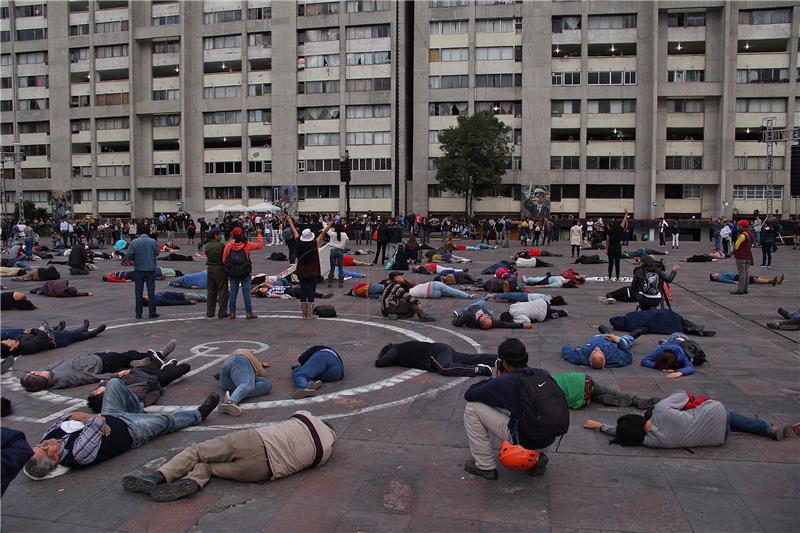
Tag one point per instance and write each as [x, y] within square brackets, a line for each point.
[154, 106]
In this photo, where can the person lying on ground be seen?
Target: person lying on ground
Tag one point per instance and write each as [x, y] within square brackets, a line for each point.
[503, 263]
[268, 290]
[733, 277]
[638, 253]
[580, 389]
[495, 285]
[59, 289]
[684, 421]
[537, 252]
[791, 322]
[39, 274]
[663, 321]
[121, 276]
[165, 298]
[479, 316]
[456, 278]
[550, 282]
[29, 341]
[319, 364]
[12, 272]
[701, 258]
[674, 357]
[242, 376]
[15, 300]
[537, 310]
[623, 294]
[91, 368]
[265, 453]
[367, 290]
[435, 357]
[532, 262]
[605, 350]
[172, 256]
[121, 426]
[433, 268]
[437, 289]
[146, 383]
[16, 452]
[522, 296]
[198, 280]
[589, 260]
[349, 260]
[397, 301]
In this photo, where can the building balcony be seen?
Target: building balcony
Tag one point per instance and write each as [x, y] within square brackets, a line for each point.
[166, 10]
[566, 64]
[320, 152]
[34, 138]
[80, 89]
[112, 87]
[79, 66]
[263, 153]
[623, 35]
[319, 48]
[163, 84]
[222, 154]
[568, 121]
[111, 15]
[498, 67]
[767, 60]
[82, 137]
[755, 148]
[111, 63]
[684, 148]
[695, 89]
[81, 160]
[27, 93]
[754, 120]
[319, 74]
[369, 71]
[495, 39]
[222, 80]
[686, 34]
[561, 148]
[611, 120]
[28, 23]
[442, 123]
[755, 32]
[79, 18]
[603, 64]
[113, 158]
[160, 60]
[370, 150]
[686, 62]
[368, 45]
[222, 54]
[123, 134]
[36, 161]
[601, 148]
[259, 128]
[36, 69]
[318, 126]
[172, 132]
[685, 120]
[222, 130]
[459, 40]
[166, 156]
[567, 37]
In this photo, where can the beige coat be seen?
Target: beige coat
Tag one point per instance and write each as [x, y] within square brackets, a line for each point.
[290, 447]
[575, 235]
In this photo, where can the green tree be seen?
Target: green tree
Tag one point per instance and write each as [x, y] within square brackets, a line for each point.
[28, 210]
[476, 154]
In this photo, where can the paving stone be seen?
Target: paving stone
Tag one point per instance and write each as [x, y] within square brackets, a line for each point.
[717, 512]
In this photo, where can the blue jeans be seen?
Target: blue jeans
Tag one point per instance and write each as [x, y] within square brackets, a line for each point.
[791, 315]
[745, 424]
[322, 365]
[337, 261]
[626, 342]
[511, 297]
[553, 281]
[240, 380]
[28, 247]
[439, 289]
[140, 279]
[717, 243]
[233, 285]
[120, 402]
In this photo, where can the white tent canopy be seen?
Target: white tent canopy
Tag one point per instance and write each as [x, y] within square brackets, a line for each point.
[264, 206]
[235, 208]
[218, 207]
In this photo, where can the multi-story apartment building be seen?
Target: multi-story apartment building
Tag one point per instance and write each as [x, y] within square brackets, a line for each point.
[153, 106]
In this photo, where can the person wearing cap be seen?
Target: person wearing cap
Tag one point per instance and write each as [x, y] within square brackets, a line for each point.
[239, 243]
[217, 291]
[397, 301]
[308, 270]
[264, 453]
[605, 350]
[683, 420]
[742, 252]
[494, 408]
[242, 376]
[143, 252]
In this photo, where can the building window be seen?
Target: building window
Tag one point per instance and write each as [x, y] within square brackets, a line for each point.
[612, 106]
[166, 47]
[494, 26]
[686, 106]
[41, 197]
[317, 113]
[111, 99]
[6, 105]
[113, 195]
[686, 76]
[684, 162]
[566, 23]
[115, 123]
[32, 34]
[78, 54]
[498, 80]
[754, 162]
[29, 58]
[166, 121]
[259, 13]
[369, 111]
[223, 167]
[566, 78]
[168, 20]
[259, 89]
[320, 61]
[221, 42]
[223, 117]
[369, 58]
[29, 81]
[371, 191]
[611, 22]
[756, 192]
[117, 50]
[42, 173]
[79, 101]
[565, 162]
[262, 192]
[436, 55]
[611, 162]
[492, 53]
[33, 104]
[32, 127]
[218, 17]
[366, 6]
[688, 20]
[765, 16]
[614, 77]
[762, 75]
[564, 107]
[500, 108]
[449, 3]
[163, 195]
[259, 166]
[311, 9]
[449, 27]
[259, 40]
[447, 109]
[166, 169]
[321, 139]
[113, 171]
[230, 91]
[78, 29]
[367, 84]
[263, 116]
[318, 87]
[322, 165]
[609, 191]
[378, 31]
[81, 172]
[222, 193]
[80, 196]
[457, 81]
[111, 27]
[311, 192]
[369, 137]
[317, 35]
[761, 105]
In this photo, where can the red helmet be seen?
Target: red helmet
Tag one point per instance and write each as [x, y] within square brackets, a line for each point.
[744, 223]
[516, 457]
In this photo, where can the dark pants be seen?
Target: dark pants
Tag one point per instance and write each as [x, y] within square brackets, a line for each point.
[140, 279]
[610, 396]
[292, 245]
[381, 246]
[65, 338]
[116, 361]
[661, 238]
[614, 255]
[622, 295]
[449, 362]
[766, 254]
[217, 290]
[337, 261]
[576, 248]
[308, 288]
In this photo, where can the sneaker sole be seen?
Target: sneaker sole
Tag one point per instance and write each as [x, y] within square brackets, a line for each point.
[299, 395]
[135, 484]
[229, 410]
[168, 493]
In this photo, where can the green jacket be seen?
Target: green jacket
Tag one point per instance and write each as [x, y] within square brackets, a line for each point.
[573, 385]
[214, 253]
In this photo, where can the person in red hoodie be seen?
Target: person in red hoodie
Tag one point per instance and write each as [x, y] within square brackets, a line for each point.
[238, 267]
[744, 256]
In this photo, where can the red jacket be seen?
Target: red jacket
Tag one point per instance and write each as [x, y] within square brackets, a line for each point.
[248, 247]
[744, 251]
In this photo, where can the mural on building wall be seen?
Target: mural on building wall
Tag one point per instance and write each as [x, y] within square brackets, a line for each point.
[536, 200]
[286, 197]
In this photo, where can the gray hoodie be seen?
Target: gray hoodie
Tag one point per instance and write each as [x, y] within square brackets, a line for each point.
[705, 425]
[77, 371]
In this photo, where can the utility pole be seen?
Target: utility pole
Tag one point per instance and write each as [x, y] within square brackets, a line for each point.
[771, 136]
[344, 175]
[19, 157]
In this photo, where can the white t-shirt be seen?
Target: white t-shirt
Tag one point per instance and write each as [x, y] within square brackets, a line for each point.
[338, 243]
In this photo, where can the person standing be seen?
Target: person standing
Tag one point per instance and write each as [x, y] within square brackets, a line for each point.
[383, 240]
[768, 234]
[217, 278]
[662, 231]
[675, 232]
[308, 270]
[238, 267]
[338, 242]
[614, 235]
[576, 237]
[143, 252]
[742, 252]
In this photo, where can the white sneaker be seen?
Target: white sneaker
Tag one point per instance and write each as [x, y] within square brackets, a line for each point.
[229, 408]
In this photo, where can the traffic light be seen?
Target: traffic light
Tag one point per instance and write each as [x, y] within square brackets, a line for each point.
[344, 169]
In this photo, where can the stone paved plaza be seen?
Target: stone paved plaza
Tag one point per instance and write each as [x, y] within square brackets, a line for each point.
[397, 465]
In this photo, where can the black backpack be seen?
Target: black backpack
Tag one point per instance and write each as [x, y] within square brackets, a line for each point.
[237, 264]
[695, 352]
[545, 414]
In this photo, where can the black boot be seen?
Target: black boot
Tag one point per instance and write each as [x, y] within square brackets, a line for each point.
[145, 483]
[85, 327]
[208, 405]
[637, 333]
[61, 326]
[96, 331]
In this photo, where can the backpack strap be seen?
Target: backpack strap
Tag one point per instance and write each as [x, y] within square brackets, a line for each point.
[319, 452]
